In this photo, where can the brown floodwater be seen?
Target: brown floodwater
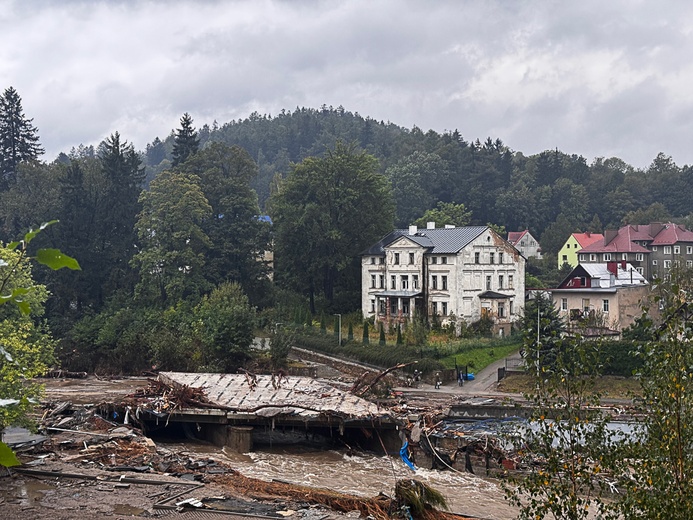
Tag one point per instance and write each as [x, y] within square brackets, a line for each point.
[363, 475]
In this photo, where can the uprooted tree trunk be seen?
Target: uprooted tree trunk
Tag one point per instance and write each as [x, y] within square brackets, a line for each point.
[358, 388]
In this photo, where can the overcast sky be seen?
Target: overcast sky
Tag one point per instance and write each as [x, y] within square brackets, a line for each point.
[595, 78]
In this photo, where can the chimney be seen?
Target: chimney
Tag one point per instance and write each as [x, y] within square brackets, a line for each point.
[612, 267]
[412, 230]
[588, 234]
[449, 226]
[609, 235]
[430, 225]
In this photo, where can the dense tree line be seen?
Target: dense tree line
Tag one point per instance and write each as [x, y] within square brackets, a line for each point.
[157, 232]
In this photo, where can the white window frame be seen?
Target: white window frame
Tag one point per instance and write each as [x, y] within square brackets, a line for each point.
[667, 264]
[443, 259]
[415, 281]
[444, 308]
[382, 281]
[583, 258]
[393, 282]
[624, 256]
[606, 257]
[689, 250]
[639, 257]
[488, 282]
[501, 279]
[654, 248]
[654, 262]
[593, 258]
[677, 250]
[444, 283]
[564, 304]
[434, 260]
[605, 305]
[372, 281]
[404, 282]
[510, 281]
[667, 250]
[434, 282]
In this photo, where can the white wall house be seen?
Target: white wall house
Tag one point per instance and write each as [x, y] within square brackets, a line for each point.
[453, 271]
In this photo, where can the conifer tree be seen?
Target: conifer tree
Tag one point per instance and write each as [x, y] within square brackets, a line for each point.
[19, 141]
[399, 334]
[186, 142]
[350, 334]
[381, 341]
[366, 339]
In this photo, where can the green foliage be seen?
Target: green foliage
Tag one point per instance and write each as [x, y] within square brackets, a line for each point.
[542, 329]
[564, 450]
[281, 342]
[186, 142]
[446, 213]
[661, 487]
[324, 212]
[19, 141]
[400, 341]
[171, 259]
[418, 497]
[366, 338]
[350, 334]
[225, 322]
[381, 340]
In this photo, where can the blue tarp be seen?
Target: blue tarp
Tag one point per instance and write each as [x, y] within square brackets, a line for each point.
[404, 453]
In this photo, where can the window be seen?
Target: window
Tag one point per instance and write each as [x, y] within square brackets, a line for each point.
[373, 260]
[501, 310]
[593, 258]
[654, 248]
[405, 307]
[639, 269]
[411, 258]
[654, 262]
[667, 264]
[624, 256]
[393, 282]
[606, 257]
[639, 257]
[444, 308]
[404, 280]
[393, 306]
[500, 258]
[444, 260]
[382, 306]
[488, 283]
[667, 250]
[512, 308]
[444, 282]
[491, 257]
[583, 258]
[567, 246]
[381, 281]
[689, 250]
[605, 305]
[396, 258]
[434, 259]
[500, 281]
[372, 281]
[382, 260]
[564, 258]
[564, 304]
[510, 282]
[677, 250]
[372, 306]
[476, 258]
[434, 282]
[586, 304]
[415, 281]
[434, 308]
[689, 263]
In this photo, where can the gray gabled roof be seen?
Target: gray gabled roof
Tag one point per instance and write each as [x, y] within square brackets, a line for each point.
[437, 241]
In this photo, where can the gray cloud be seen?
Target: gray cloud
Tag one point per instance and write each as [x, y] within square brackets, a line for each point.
[591, 78]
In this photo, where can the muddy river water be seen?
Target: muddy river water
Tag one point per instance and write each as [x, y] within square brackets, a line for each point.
[364, 475]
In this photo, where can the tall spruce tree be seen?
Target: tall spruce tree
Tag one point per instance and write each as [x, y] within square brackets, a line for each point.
[19, 141]
[186, 142]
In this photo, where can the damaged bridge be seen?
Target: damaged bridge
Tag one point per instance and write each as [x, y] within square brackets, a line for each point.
[243, 410]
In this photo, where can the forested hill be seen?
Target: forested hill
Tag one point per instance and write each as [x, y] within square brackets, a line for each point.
[552, 194]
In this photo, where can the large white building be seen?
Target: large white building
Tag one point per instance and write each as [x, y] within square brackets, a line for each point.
[462, 271]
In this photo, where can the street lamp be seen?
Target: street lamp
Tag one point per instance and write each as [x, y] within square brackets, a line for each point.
[340, 329]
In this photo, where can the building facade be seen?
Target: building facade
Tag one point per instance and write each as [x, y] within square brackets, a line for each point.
[576, 241]
[452, 273]
[525, 243]
[653, 249]
[604, 298]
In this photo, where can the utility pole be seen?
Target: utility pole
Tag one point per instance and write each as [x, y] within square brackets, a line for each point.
[538, 326]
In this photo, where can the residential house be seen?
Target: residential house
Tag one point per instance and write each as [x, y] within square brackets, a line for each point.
[525, 243]
[652, 248]
[601, 298]
[460, 272]
[568, 254]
